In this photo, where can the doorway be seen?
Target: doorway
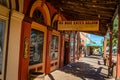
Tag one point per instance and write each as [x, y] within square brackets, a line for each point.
[66, 53]
[37, 48]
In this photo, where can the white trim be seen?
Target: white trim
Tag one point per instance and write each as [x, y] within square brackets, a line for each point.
[13, 5]
[4, 15]
[15, 14]
[21, 4]
[14, 45]
[7, 3]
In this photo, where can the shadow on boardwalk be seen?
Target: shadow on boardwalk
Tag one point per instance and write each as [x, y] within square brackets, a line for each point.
[88, 68]
[84, 70]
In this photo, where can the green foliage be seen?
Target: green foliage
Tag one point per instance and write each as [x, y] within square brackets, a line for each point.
[115, 33]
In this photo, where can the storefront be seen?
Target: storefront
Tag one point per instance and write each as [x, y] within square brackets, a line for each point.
[55, 50]
[41, 42]
[37, 48]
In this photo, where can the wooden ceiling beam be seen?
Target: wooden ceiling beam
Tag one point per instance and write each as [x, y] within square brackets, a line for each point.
[94, 1]
[87, 12]
[85, 15]
[87, 9]
[89, 5]
[92, 9]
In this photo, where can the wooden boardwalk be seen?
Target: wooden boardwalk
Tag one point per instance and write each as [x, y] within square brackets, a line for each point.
[87, 68]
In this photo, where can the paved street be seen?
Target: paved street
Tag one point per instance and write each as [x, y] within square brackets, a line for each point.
[87, 68]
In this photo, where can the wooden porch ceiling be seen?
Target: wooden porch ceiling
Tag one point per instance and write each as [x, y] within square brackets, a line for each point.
[103, 10]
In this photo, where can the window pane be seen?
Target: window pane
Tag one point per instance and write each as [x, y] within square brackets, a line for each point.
[36, 47]
[71, 47]
[54, 47]
[2, 30]
[38, 17]
[71, 44]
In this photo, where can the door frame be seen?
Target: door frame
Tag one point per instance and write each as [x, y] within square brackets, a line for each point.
[42, 28]
[54, 64]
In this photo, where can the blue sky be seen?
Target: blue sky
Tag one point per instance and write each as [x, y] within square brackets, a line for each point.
[96, 38]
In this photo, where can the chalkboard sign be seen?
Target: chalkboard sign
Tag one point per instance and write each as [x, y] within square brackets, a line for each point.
[36, 47]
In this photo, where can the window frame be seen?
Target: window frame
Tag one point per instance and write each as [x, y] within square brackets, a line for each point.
[54, 50]
[42, 28]
[37, 62]
[4, 46]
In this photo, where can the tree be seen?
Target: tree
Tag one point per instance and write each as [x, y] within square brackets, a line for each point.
[115, 33]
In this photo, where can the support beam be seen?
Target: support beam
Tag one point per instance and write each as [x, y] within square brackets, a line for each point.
[104, 55]
[105, 43]
[74, 45]
[62, 41]
[110, 53]
[110, 69]
[78, 45]
[49, 39]
[118, 52]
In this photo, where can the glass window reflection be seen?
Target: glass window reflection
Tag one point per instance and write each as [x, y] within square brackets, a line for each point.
[54, 47]
[2, 32]
[36, 47]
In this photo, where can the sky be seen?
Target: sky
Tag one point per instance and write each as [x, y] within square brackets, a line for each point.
[96, 38]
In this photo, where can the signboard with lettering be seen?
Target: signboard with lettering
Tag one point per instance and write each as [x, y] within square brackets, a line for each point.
[83, 25]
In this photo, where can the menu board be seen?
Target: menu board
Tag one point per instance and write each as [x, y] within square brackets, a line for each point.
[36, 47]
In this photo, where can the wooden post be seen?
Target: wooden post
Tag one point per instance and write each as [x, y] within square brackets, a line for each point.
[118, 52]
[62, 41]
[49, 38]
[24, 58]
[78, 45]
[105, 42]
[68, 50]
[104, 55]
[110, 53]
[74, 46]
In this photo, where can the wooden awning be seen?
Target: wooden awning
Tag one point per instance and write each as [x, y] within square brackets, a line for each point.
[104, 10]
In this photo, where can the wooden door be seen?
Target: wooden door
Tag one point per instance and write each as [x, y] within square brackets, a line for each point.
[55, 50]
[37, 48]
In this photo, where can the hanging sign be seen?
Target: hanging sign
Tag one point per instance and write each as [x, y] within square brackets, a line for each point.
[83, 25]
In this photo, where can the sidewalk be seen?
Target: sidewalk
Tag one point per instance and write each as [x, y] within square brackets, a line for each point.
[87, 68]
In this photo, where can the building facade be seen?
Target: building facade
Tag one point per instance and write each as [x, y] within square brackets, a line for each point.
[29, 39]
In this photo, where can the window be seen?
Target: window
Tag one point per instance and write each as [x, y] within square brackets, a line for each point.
[38, 17]
[54, 47]
[2, 34]
[72, 44]
[36, 47]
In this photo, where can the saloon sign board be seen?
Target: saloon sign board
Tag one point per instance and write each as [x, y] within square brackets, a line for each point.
[83, 25]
